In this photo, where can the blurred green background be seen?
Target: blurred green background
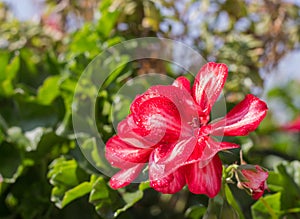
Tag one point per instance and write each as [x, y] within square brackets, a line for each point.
[46, 45]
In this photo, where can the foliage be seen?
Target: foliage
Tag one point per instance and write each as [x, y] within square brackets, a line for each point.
[43, 173]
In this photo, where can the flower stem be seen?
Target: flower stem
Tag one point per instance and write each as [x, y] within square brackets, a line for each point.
[270, 210]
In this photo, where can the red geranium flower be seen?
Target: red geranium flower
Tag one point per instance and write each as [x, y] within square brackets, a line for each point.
[168, 128]
[253, 179]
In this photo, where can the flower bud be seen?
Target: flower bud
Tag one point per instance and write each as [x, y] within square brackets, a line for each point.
[252, 178]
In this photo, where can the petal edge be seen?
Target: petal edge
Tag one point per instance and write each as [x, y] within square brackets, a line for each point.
[244, 118]
[208, 85]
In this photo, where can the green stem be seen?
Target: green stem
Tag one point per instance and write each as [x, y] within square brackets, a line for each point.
[231, 200]
[3, 124]
[270, 210]
[291, 210]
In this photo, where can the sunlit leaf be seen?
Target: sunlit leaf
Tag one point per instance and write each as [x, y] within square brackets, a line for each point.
[68, 181]
[12, 68]
[104, 199]
[267, 207]
[195, 212]
[49, 90]
[76, 192]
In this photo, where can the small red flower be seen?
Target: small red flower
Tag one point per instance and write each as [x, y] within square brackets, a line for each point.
[168, 128]
[253, 179]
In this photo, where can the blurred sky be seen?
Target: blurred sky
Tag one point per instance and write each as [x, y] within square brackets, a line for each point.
[288, 69]
[26, 9]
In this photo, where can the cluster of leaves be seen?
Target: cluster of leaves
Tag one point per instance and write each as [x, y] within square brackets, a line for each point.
[40, 162]
[43, 173]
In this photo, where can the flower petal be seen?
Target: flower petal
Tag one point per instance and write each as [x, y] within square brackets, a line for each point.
[170, 184]
[242, 119]
[130, 133]
[255, 178]
[207, 148]
[125, 176]
[158, 120]
[183, 83]
[204, 180]
[163, 114]
[256, 195]
[181, 98]
[122, 155]
[208, 85]
[165, 159]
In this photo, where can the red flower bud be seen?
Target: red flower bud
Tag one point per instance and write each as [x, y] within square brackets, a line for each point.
[252, 179]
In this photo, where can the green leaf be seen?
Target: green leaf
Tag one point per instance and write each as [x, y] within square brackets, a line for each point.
[76, 192]
[2, 136]
[290, 173]
[286, 175]
[10, 162]
[132, 197]
[63, 172]
[232, 201]
[105, 200]
[218, 207]
[4, 58]
[144, 185]
[275, 181]
[214, 207]
[27, 115]
[7, 77]
[267, 207]
[99, 191]
[85, 40]
[49, 90]
[6, 88]
[108, 18]
[65, 128]
[12, 69]
[68, 181]
[195, 212]
[293, 170]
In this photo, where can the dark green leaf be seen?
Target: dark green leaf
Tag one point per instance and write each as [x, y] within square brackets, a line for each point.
[233, 202]
[10, 162]
[132, 197]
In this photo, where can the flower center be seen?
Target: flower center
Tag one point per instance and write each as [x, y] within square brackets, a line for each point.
[195, 123]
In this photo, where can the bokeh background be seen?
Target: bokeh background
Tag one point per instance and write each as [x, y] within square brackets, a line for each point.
[46, 45]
